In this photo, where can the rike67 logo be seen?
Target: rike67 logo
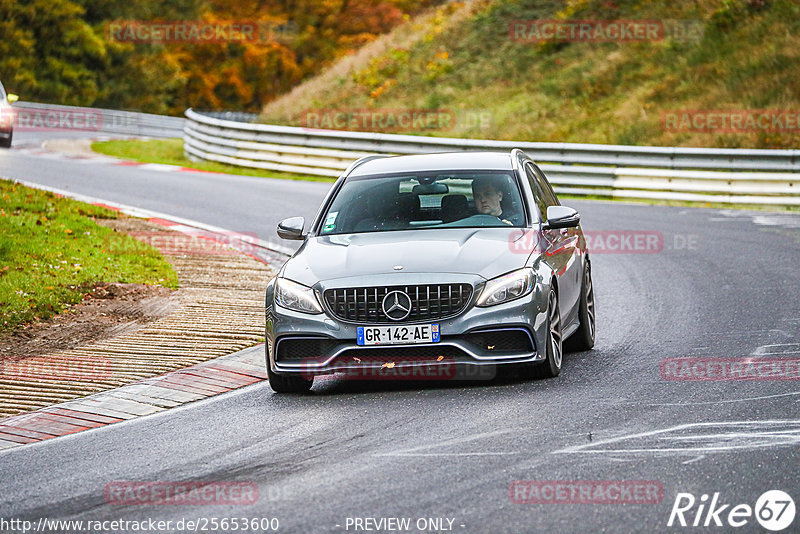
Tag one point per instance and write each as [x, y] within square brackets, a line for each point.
[774, 510]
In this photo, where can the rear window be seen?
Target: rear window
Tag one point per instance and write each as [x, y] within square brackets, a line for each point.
[443, 200]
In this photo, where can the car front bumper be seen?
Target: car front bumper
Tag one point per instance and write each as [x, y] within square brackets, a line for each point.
[465, 348]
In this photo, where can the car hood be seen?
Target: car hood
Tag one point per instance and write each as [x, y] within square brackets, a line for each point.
[487, 252]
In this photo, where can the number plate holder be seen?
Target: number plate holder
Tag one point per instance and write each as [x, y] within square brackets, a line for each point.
[413, 334]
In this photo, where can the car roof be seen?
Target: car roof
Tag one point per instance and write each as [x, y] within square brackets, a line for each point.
[444, 161]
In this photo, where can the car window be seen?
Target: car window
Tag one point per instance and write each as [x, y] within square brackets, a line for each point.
[549, 195]
[441, 200]
[538, 193]
[2, 92]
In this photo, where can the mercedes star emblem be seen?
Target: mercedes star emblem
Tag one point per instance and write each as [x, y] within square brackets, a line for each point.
[396, 305]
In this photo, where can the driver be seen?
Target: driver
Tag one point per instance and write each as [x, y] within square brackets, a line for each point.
[488, 194]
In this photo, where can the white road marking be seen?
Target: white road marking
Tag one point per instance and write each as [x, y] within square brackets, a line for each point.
[777, 348]
[737, 438]
[725, 401]
[787, 220]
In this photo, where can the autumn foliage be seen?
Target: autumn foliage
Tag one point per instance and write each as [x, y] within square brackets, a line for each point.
[60, 51]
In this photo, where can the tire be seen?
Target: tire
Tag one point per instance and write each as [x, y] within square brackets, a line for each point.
[6, 143]
[583, 338]
[281, 383]
[551, 367]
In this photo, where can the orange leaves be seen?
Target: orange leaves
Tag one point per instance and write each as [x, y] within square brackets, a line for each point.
[295, 40]
[438, 66]
[383, 87]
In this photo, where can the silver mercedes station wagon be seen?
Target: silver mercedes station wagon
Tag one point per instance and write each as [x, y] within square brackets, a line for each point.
[418, 263]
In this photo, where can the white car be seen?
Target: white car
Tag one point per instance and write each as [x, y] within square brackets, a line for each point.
[7, 117]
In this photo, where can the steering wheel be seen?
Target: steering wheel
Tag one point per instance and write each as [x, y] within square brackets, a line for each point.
[491, 220]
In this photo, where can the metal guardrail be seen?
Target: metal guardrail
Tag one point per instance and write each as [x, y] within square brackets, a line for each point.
[692, 174]
[58, 117]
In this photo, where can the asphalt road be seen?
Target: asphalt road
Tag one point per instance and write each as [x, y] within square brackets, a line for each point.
[725, 285]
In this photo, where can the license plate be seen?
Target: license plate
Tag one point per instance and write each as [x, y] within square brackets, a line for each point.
[398, 335]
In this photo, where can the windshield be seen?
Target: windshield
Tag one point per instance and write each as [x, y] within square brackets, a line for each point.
[422, 201]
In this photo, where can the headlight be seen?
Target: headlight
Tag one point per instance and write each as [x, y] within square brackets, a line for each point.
[297, 297]
[507, 287]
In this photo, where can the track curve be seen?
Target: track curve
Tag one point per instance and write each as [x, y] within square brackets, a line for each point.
[724, 286]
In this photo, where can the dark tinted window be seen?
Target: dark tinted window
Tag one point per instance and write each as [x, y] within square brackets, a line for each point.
[549, 194]
[538, 193]
[421, 201]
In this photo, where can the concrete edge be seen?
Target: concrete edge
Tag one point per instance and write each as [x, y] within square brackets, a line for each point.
[145, 397]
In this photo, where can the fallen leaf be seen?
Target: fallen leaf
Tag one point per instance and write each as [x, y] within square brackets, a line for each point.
[490, 347]
[387, 365]
[357, 359]
[440, 358]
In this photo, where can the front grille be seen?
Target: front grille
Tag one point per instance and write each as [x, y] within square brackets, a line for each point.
[505, 340]
[300, 348]
[428, 302]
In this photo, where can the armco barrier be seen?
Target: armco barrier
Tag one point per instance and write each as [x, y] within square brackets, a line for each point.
[695, 174]
[111, 121]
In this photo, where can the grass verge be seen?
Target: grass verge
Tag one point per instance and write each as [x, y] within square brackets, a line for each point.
[463, 62]
[52, 253]
[170, 152]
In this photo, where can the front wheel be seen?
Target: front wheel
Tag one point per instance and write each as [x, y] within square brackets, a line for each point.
[282, 383]
[6, 143]
[583, 338]
[551, 367]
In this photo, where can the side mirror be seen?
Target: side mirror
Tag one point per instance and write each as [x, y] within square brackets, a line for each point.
[12, 97]
[292, 228]
[561, 217]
